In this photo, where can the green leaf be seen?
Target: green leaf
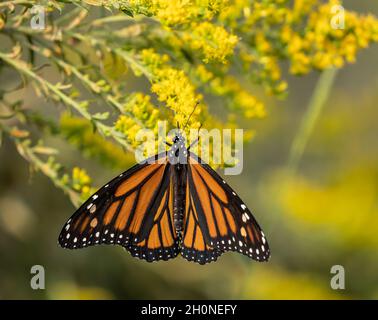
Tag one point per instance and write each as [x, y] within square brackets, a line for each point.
[101, 116]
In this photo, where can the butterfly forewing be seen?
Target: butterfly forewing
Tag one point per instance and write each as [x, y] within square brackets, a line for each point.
[133, 210]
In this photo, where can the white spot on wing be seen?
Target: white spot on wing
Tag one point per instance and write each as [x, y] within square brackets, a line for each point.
[92, 209]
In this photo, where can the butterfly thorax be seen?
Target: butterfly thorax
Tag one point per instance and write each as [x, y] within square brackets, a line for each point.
[178, 153]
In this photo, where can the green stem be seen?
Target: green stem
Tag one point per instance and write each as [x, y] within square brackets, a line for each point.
[16, 2]
[103, 128]
[314, 109]
[27, 153]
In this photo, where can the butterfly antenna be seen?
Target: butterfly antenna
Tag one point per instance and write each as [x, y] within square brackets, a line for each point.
[187, 121]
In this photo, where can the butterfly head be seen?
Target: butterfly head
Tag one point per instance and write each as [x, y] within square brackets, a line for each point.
[179, 139]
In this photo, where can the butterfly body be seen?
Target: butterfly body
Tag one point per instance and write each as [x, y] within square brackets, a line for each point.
[178, 158]
[179, 188]
[174, 204]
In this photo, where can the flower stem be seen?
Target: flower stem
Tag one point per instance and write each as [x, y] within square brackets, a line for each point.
[314, 109]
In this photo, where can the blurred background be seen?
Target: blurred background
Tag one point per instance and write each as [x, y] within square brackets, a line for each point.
[323, 214]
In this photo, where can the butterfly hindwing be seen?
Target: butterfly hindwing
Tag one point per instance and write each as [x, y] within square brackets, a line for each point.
[194, 247]
[133, 210]
[220, 219]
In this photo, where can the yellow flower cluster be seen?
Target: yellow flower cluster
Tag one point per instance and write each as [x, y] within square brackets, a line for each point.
[257, 50]
[256, 36]
[129, 127]
[239, 98]
[139, 113]
[322, 46]
[262, 64]
[139, 105]
[81, 182]
[302, 32]
[264, 33]
[214, 42]
[173, 87]
[242, 15]
[178, 12]
[193, 21]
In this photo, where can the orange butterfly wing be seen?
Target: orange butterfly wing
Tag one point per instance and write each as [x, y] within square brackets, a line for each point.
[133, 210]
[216, 219]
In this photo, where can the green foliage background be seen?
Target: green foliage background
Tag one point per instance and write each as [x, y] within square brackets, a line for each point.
[72, 97]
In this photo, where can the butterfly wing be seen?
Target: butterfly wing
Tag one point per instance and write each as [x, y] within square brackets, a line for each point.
[217, 220]
[133, 210]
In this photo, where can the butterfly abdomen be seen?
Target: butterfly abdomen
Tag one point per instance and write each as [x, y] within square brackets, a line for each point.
[179, 190]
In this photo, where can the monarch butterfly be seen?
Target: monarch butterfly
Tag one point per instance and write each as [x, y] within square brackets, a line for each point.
[175, 204]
